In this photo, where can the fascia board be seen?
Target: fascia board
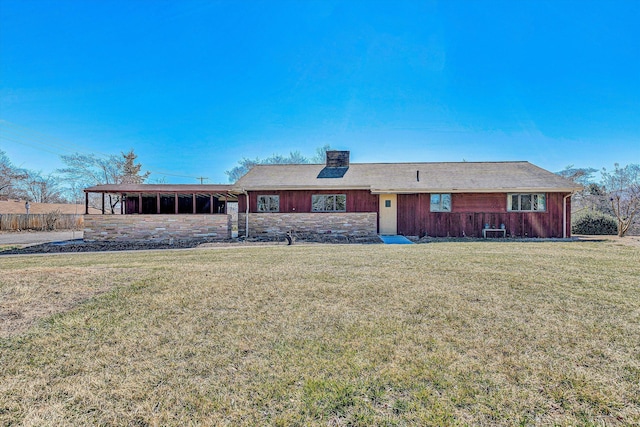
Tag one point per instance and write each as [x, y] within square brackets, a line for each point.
[301, 187]
[473, 190]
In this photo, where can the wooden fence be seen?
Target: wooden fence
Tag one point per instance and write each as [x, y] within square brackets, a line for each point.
[45, 222]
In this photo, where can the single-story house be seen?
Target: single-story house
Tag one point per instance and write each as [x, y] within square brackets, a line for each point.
[475, 199]
[339, 198]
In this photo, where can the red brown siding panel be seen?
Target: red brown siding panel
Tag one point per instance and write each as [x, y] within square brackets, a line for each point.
[481, 202]
[412, 214]
[300, 200]
[470, 212]
[242, 203]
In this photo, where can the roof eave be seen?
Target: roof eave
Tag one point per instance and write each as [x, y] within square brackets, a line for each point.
[476, 190]
[300, 187]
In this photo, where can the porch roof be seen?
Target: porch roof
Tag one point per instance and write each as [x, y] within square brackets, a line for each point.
[160, 188]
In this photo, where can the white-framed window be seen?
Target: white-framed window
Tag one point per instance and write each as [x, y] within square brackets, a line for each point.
[527, 202]
[329, 203]
[268, 203]
[440, 202]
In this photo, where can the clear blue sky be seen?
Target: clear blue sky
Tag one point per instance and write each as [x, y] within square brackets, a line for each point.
[193, 86]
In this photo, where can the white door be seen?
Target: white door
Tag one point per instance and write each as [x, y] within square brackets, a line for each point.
[388, 214]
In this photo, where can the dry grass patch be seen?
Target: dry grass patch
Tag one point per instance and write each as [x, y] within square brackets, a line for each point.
[439, 334]
[31, 289]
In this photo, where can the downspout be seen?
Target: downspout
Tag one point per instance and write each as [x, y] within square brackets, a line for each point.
[564, 214]
[246, 216]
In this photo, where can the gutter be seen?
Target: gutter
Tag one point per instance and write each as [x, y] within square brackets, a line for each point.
[467, 190]
[564, 214]
[246, 216]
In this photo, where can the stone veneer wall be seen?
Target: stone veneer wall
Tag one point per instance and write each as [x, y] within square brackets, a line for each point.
[156, 228]
[339, 223]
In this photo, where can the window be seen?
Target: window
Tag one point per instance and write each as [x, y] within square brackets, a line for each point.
[526, 202]
[268, 203]
[329, 203]
[440, 202]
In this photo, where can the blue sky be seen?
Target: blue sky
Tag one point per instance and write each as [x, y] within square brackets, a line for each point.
[193, 86]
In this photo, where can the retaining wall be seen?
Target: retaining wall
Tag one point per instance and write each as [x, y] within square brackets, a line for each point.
[361, 224]
[156, 228]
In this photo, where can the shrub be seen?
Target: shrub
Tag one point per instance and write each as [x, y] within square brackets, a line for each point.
[51, 218]
[593, 222]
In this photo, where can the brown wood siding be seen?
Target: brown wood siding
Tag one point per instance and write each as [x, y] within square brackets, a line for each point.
[300, 200]
[569, 217]
[481, 202]
[471, 211]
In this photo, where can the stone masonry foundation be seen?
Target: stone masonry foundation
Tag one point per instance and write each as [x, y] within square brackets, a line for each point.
[360, 224]
[156, 228]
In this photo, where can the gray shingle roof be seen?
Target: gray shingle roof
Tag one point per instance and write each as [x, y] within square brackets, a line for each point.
[411, 178]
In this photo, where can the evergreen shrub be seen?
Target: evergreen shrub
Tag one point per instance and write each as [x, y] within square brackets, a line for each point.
[593, 222]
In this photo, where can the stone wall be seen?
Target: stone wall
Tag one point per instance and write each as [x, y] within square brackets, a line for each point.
[156, 228]
[340, 223]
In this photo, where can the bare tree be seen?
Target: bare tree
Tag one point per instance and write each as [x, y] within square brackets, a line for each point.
[242, 168]
[294, 158]
[623, 188]
[42, 188]
[582, 176]
[321, 155]
[87, 170]
[10, 176]
[591, 196]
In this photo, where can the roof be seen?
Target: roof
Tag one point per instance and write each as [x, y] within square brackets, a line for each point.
[159, 188]
[17, 207]
[449, 177]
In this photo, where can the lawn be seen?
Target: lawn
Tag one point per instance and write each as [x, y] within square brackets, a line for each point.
[482, 333]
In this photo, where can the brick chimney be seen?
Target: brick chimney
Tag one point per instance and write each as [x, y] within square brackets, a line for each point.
[337, 159]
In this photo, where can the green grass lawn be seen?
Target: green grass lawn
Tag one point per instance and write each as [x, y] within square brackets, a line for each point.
[480, 333]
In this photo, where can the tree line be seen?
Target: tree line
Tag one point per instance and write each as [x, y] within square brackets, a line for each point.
[65, 185]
